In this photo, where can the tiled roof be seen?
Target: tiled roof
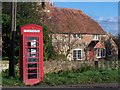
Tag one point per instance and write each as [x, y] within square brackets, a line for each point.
[92, 44]
[64, 20]
[99, 45]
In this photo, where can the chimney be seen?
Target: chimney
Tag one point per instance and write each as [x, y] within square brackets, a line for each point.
[46, 4]
[43, 4]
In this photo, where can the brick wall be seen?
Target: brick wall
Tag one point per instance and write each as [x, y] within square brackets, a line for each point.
[65, 43]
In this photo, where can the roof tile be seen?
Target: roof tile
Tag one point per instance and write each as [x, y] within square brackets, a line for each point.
[64, 20]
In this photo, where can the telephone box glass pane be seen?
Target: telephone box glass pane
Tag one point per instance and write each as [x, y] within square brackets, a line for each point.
[32, 59]
[32, 52]
[32, 76]
[32, 44]
[32, 70]
[32, 55]
[32, 38]
[32, 65]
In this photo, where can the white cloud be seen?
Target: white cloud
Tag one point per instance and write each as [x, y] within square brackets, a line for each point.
[100, 19]
[109, 24]
[107, 19]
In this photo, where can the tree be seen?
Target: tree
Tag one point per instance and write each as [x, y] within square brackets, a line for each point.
[12, 39]
[116, 39]
[112, 46]
[27, 12]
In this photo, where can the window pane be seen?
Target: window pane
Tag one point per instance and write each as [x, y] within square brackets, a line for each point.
[76, 54]
[95, 37]
[32, 50]
[32, 55]
[79, 51]
[74, 35]
[99, 52]
[79, 54]
[32, 65]
[103, 52]
[32, 76]
[32, 44]
[32, 70]
[32, 38]
[80, 35]
[29, 43]
[32, 59]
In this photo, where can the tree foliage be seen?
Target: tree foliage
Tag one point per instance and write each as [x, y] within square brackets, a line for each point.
[116, 38]
[27, 12]
[5, 34]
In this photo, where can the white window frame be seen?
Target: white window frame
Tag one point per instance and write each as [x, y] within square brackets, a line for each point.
[80, 35]
[95, 37]
[77, 53]
[100, 51]
[77, 36]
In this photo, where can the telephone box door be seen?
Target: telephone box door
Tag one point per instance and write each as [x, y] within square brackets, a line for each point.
[31, 59]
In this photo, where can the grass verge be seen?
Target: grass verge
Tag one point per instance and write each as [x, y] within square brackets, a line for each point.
[80, 76]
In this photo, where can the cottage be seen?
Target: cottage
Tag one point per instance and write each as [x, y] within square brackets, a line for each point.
[77, 36]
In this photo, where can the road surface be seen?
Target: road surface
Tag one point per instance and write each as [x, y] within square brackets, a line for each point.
[104, 85]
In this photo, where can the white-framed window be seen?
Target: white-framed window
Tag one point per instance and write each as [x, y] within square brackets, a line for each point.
[77, 35]
[101, 53]
[77, 54]
[95, 36]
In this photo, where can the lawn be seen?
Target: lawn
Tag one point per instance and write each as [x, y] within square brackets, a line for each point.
[81, 76]
[78, 77]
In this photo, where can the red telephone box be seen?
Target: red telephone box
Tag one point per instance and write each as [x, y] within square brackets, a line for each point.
[31, 54]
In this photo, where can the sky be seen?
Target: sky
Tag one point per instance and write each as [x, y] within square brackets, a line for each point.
[105, 13]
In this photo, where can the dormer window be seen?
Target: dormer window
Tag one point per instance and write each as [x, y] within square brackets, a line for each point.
[95, 36]
[80, 35]
[77, 36]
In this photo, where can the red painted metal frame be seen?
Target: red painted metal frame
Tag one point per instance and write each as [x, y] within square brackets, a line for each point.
[23, 57]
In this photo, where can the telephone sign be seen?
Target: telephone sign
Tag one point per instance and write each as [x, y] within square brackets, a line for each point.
[31, 54]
